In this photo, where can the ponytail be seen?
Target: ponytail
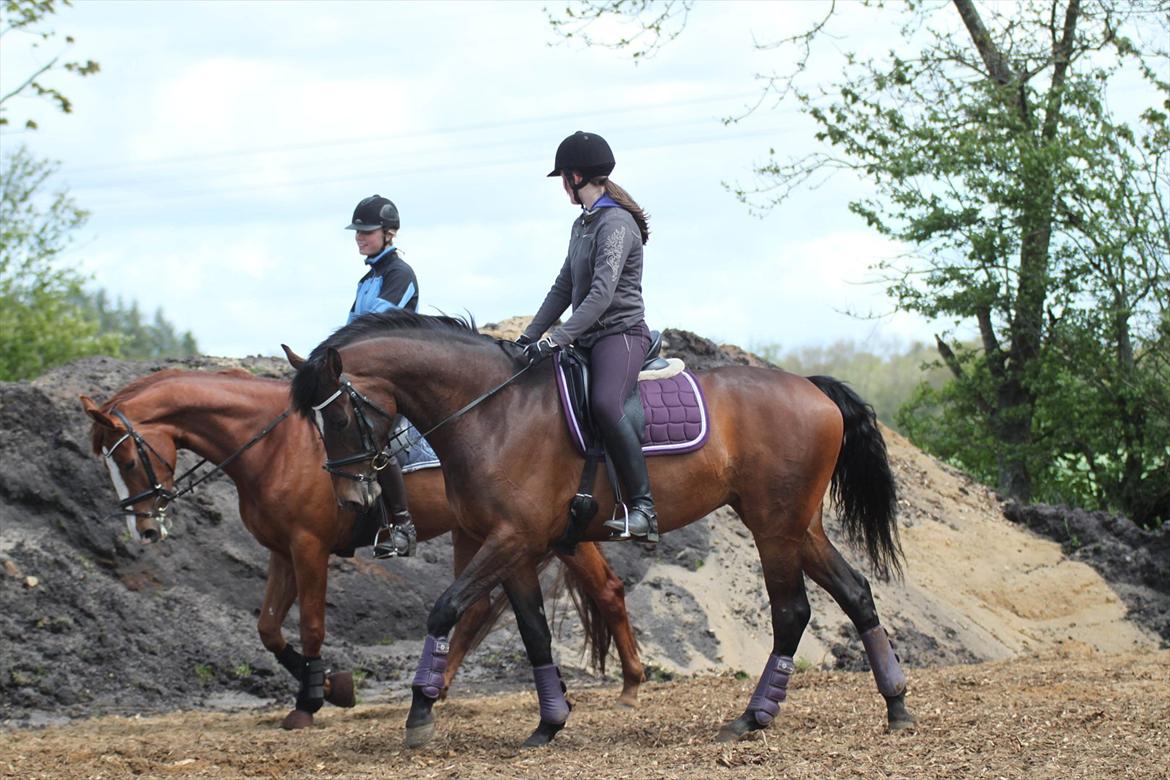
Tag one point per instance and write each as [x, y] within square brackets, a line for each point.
[623, 199]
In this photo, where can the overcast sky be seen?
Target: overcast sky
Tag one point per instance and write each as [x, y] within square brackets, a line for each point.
[223, 146]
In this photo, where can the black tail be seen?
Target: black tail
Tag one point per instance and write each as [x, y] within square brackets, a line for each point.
[863, 485]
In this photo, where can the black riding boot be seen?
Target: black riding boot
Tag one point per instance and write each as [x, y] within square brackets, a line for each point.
[624, 447]
[397, 537]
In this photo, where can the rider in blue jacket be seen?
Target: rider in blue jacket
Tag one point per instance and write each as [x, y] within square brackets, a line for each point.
[388, 284]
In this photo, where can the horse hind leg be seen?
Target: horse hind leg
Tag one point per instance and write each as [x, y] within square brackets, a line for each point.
[784, 579]
[850, 589]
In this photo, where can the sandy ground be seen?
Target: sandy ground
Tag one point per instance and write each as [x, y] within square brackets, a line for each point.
[1076, 714]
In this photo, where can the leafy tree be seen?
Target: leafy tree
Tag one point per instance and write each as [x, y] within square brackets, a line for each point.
[141, 338]
[40, 325]
[1034, 213]
[27, 18]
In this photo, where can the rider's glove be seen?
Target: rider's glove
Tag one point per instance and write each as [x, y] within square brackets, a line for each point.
[539, 350]
[523, 340]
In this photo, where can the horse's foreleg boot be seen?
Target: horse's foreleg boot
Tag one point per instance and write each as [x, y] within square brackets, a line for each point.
[764, 705]
[291, 660]
[312, 693]
[554, 707]
[428, 678]
[339, 690]
[887, 672]
[426, 687]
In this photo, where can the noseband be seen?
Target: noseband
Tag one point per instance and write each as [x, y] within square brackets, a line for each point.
[378, 457]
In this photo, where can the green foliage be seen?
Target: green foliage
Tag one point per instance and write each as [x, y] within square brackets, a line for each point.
[204, 673]
[28, 17]
[1032, 212]
[40, 326]
[47, 317]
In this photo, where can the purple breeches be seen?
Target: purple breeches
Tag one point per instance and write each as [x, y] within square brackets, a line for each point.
[615, 362]
[550, 690]
[432, 666]
[891, 680]
[772, 689]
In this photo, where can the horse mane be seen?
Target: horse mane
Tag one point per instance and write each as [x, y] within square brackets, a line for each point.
[306, 385]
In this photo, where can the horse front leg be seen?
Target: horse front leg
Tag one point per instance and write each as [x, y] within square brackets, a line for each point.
[473, 622]
[310, 559]
[606, 592]
[498, 554]
[279, 594]
[523, 589]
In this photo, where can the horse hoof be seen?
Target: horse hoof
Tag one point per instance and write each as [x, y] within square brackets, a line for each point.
[297, 719]
[417, 736]
[628, 701]
[339, 689]
[543, 735]
[737, 729]
[902, 722]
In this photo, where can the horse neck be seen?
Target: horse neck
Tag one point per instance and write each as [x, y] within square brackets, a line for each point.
[432, 378]
[214, 418]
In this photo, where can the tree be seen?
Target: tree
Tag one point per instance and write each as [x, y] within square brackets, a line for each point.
[27, 17]
[1033, 213]
[40, 326]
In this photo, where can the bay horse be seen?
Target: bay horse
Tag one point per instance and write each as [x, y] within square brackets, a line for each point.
[777, 441]
[287, 503]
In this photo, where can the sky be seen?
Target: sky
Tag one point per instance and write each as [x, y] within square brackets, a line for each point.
[223, 146]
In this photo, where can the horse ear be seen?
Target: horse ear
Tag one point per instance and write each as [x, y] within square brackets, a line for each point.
[97, 415]
[333, 362]
[294, 360]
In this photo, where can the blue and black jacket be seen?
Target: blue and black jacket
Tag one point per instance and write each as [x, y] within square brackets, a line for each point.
[389, 284]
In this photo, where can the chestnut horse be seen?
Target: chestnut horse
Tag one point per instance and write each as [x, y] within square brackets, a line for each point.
[777, 441]
[287, 503]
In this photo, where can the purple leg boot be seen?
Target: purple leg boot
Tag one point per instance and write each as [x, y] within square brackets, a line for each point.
[554, 707]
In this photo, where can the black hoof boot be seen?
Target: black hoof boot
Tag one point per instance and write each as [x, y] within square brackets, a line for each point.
[543, 735]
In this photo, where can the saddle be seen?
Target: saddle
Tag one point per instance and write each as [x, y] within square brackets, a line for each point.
[667, 407]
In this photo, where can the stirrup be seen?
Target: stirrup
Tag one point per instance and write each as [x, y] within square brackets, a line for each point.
[395, 541]
[622, 530]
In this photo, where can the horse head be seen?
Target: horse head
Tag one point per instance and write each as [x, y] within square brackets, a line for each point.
[355, 418]
[141, 461]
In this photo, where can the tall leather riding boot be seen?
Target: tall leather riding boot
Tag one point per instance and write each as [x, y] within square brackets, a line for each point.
[397, 537]
[624, 447]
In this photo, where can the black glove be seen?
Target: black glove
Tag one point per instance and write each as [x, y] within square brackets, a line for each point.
[523, 340]
[539, 350]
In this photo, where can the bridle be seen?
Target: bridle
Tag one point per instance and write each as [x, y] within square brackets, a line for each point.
[161, 495]
[379, 457]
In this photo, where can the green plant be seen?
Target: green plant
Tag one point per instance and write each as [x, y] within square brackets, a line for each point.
[204, 673]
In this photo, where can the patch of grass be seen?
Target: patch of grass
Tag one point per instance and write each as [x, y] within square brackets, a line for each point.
[740, 674]
[204, 673]
[242, 670]
[655, 673]
[803, 665]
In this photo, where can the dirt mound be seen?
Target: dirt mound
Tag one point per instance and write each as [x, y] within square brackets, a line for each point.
[1077, 716]
[94, 623]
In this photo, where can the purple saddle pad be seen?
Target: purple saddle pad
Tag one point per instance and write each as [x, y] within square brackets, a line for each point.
[675, 414]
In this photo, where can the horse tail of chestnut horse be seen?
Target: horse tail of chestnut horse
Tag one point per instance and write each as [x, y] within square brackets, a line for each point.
[598, 638]
[863, 486]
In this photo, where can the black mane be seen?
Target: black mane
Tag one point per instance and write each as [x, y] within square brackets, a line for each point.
[305, 389]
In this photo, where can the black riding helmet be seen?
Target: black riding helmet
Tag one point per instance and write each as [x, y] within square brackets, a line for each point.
[584, 152]
[373, 213]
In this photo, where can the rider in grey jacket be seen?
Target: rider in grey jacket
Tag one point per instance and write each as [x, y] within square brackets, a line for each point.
[602, 279]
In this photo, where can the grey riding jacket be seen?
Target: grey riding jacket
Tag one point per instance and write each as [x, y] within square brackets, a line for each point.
[601, 277]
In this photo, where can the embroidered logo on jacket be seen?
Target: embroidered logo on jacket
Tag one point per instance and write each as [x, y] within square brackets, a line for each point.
[611, 251]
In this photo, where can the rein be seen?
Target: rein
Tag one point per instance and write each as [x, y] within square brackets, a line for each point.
[163, 496]
[372, 454]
